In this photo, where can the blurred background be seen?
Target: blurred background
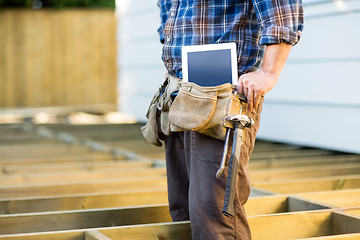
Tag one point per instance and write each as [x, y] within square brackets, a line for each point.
[76, 79]
[103, 57]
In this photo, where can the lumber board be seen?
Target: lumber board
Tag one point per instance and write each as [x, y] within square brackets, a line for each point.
[83, 201]
[290, 154]
[303, 162]
[350, 236]
[354, 211]
[95, 235]
[340, 198]
[343, 222]
[299, 204]
[305, 172]
[118, 199]
[97, 186]
[81, 166]
[277, 226]
[291, 226]
[310, 184]
[57, 235]
[154, 231]
[73, 177]
[93, 156]
[39, 149]
[67, 220]
[173, 231]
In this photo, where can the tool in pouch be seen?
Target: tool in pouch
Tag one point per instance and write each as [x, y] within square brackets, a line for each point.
[158, 111]
[235, 123]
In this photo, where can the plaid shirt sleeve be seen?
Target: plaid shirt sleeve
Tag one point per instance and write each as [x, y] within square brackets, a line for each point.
[164, 6]
[280, 20]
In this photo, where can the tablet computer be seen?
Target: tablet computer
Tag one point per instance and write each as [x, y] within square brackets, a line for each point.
[210, 65]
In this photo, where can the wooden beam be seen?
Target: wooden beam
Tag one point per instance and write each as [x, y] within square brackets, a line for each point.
[74, 177]
[254, 206]
[299, 204]
[343, 222]
[304, 172]
[303, 162]
[131, 184]
[290, 154]
[82, 201]
[291, 225]
[95, 235]
[278, 226]
[354, 211]
[67, 220]
[340, 198]
[310, 185]
[86, 157]
[82, 166]
[350, 236]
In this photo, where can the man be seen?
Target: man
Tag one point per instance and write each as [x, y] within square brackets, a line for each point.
[264, 31]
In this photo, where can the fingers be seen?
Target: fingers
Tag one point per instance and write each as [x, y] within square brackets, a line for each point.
[245, 88]
[257, 97]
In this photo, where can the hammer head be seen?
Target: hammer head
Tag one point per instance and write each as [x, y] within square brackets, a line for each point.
[239, 120]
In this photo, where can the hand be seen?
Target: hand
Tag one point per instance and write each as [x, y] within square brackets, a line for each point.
[255, 84]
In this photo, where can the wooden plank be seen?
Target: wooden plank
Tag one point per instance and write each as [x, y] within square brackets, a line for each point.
[73, 177]
[304, 172]
[83, 201]
[355, 211]
[310, 185]
[303, 162]
[299, 204]
[290, 154]
[85, 187]
[94, 156]
[291, 225]
[81, 166]
[173, 231]
[340, 198]
[350, 236]
[158, 231]
[343, 222]
[95, 235]
[67, 220]
[58, 40]
[279, 226]
[58, 235]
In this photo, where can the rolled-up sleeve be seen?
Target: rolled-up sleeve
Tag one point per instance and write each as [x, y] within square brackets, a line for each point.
[163, 5]
[280, 20]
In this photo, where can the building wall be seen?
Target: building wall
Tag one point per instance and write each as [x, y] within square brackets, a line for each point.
[316, 101]
[139, 58]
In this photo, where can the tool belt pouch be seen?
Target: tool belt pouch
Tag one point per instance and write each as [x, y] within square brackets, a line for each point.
[158, 111]
[203, 109]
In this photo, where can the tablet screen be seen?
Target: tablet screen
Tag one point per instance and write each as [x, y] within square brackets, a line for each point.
[210, 65]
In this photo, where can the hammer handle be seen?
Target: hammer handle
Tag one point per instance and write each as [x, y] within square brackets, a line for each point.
[228, 207]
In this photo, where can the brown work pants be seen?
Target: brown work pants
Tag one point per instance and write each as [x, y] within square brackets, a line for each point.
[195, 193]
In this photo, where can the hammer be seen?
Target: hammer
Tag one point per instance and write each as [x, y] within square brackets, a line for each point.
[237, 122]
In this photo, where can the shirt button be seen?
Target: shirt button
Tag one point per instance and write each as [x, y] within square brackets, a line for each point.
[172, 14]
[168, 39]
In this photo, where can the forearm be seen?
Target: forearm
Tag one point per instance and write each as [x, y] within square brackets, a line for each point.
[255, 84]
[275, 58]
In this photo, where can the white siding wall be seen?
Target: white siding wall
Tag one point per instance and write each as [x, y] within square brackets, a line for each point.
[317, 100]
[141, 70]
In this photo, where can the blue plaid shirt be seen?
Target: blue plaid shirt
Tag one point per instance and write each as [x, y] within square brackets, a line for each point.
[251, 24]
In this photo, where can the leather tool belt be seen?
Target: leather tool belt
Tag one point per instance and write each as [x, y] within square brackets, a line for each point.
[195, 108]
